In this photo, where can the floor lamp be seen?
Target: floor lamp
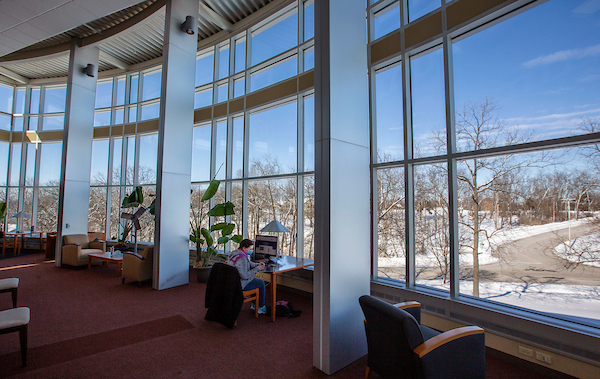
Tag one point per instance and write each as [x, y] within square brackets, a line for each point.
[275, 227]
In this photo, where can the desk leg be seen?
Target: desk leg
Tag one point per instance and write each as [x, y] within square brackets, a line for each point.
[273, 296]
[118, 268]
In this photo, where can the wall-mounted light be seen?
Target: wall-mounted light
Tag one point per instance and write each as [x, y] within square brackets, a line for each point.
[189, 25]
[90, 70]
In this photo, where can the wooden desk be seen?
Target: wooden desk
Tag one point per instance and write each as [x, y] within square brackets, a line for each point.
[107, 258]
[39, 235]
[285, 264]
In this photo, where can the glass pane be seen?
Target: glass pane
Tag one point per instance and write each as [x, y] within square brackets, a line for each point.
[33, 123]
[222, 93]
[120, 95]
[99, 171]
[223, 62]
[201, 154]
[119, 116]
[18, 124]
[309, 20]
[115, 213]
[34, 102]
[132, 114]
[237, 199]
[269, 200]
[20, 101]
[238, 148]
[428, 104]
[150, 111]
[432, 230]
[391, 224]
[419, 8]
[5, 121]
[203, 98]
[240, 55]
[388, 114]
[146, 233]
[309, 217]
[546, 88]
[15, 164]
[274, 73]
[6, 99]
[386, 21]
[3, 164]
[27, 208]
[50, 164]
[117, 160]
[274, 38]
[529, 235]
[151, 85]
[54, 122]
[309, 59]
[198, 209]
[133, 89]
[273, 141]
[239, 87]
[30, 164]
[55, 100]
[148, 159]
[47, 211]
[221, 150]
[13, 202]
[130, 161]
[104, 92]
[102, 118]
[309, 133]
[97, 209]
[205, 69]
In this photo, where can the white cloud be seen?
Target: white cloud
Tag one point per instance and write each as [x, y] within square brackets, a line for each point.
[564, 55]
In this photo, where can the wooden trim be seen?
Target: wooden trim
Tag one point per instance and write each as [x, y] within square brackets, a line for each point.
[408, 304]
[441, 339]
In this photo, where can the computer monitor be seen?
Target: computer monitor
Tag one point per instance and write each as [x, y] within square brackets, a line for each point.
[265, 245]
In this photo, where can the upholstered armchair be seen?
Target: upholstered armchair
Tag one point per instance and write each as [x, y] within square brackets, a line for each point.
[138, 267]
[77, 247]
[399, 347]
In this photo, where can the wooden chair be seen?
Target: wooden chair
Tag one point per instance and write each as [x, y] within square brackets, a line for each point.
[10, 285]
[252, 295]
[16, 320]
[10, 241]
[400, 347]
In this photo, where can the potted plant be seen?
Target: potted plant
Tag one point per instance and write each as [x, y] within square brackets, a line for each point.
[3, 214]
[201, 236]
[134, 199]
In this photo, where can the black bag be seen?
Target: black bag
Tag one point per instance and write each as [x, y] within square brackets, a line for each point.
[285, 309]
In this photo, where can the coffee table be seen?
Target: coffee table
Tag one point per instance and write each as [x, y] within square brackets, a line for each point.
[107, 258]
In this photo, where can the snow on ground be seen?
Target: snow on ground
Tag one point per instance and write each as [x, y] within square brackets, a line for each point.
[589, 246]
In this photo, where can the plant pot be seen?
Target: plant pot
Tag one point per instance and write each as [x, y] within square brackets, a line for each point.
[202, 273]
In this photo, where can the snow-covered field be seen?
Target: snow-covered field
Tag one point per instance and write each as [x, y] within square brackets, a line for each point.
[572, 300]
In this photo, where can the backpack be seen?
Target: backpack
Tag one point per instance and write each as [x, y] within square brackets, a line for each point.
[285, 309]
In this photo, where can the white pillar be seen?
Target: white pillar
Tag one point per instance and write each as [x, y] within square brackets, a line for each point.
[74, 195]
[175, 132]
[342, 226]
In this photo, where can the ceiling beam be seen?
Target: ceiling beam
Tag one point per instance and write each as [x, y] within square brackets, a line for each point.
[215, 18]
[106, 57]
[13, 75]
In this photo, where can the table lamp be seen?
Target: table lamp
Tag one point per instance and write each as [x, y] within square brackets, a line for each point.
[275, 227]
[19, 216]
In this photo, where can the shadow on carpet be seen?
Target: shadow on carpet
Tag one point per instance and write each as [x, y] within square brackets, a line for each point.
[64, 351]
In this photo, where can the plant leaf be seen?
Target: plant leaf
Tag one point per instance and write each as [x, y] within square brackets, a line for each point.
[237, 238]
[211, 190]
[223, 240]
[223, 209]
[218, 226]
[228, 229]
[207, 236]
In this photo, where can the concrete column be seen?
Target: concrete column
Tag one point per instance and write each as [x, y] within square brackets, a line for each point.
[175, 132]
[74, 192]
[342, 225]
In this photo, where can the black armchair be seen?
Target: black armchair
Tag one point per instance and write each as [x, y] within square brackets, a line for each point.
[399, 347]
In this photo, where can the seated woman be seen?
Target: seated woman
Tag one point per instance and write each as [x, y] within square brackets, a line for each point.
[246, 268]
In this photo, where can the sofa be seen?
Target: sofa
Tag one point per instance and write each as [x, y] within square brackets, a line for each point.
[77, 247]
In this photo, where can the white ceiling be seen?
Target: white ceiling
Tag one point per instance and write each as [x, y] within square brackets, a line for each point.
[25, 22]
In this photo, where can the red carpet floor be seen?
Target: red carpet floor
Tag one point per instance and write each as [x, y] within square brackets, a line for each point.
[86, 324]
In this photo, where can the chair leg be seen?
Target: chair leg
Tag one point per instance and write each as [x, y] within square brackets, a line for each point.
[23, 338]
[256, 307]
[14, 297]
[368, 373]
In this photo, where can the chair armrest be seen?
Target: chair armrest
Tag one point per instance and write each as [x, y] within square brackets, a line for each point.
[136, 255]
[412, 307]
[98, 245]
[446, 337]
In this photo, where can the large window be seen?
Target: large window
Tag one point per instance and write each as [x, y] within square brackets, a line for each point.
[525, 215]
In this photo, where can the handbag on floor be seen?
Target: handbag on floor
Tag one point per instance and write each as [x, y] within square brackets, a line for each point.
[285, 309]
